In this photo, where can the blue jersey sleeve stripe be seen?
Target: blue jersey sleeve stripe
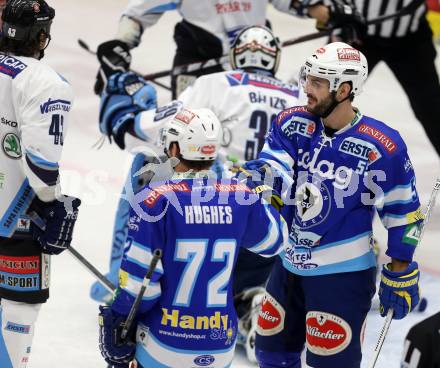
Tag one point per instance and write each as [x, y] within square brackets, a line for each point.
[142, 265]
[142, 255]
[161, 8]
[41, 162]
[272, 234]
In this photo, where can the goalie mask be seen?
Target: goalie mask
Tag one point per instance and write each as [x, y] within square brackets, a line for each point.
[198, 133]
[256, 47]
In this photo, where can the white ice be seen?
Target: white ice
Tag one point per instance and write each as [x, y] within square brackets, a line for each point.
[67, 333]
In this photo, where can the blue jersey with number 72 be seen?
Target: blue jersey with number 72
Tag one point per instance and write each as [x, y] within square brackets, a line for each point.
[199, 224]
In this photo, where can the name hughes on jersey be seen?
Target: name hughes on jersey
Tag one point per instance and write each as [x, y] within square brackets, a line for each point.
[208, 214]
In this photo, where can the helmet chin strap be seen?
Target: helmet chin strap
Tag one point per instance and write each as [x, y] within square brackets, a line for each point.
[334, 104]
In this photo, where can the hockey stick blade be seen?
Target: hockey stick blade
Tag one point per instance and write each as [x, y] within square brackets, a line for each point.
[389, 317]
[38, 221]
[157, 255]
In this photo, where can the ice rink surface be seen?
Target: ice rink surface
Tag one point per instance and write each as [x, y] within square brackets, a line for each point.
[66, 333]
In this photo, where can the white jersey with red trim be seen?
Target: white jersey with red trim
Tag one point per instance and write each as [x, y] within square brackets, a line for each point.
[35, 104]
[245, 103]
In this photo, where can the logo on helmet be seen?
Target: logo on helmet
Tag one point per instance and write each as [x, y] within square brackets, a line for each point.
[349, 54]
[185, 116]
[208, 150]
[321, 50]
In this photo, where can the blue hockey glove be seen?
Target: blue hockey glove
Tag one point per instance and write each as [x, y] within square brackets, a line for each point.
[126, 95]
[261, 179]
[59, 216]
[116, 352]
[399, 290]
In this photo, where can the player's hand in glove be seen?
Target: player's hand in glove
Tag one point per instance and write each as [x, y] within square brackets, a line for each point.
[59, 216]
[126, 95]
[349, 19]
[114, 56]
[263, 180]
[399, 290]
[116, 352]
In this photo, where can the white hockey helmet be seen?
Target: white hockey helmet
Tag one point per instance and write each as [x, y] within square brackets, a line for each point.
[256, 47]
[338, 62]
[198, 133]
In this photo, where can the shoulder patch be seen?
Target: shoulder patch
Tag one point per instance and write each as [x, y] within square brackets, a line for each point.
[283, 114]
[298, 125]
[11, 66]
[159, 191]
[382, 138]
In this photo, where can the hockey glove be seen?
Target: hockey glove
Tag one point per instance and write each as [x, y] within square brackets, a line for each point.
[349, 19]
[126, 95]
[399, 290]
[116, 352]
[114, 56]
[260, 178]
[59, 216]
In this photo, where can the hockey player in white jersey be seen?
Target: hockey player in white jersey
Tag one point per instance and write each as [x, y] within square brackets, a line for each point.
[206, 31]
[34, 112]
[245, 100]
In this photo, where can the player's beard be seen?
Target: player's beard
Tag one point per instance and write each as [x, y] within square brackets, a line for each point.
[322, 107]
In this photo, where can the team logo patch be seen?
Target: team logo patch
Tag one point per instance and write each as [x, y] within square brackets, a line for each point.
[349, 54]
[204, 360]
[326, 334]
[412, 234]
[299, 125]
[271, 316]
[382, 138]
[361, 149]
[11, 146]
[312, 202]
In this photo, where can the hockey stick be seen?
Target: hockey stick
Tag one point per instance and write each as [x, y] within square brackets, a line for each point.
[186, 68]
[389, 317]
[86, 47]
[157, 255]
[37, 220]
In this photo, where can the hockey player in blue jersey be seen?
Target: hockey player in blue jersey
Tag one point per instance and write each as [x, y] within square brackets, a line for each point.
[341, 167]
[187, 317]
[245, 100]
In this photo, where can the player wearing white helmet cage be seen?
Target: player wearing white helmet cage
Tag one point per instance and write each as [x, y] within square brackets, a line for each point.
[345, 167]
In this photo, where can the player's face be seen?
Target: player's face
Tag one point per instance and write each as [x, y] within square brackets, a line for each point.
[319, 98]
